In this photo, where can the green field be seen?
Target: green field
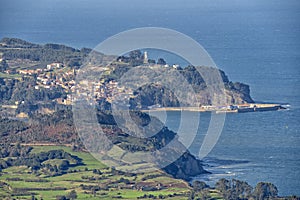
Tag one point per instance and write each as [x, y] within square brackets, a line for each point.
[21, 182]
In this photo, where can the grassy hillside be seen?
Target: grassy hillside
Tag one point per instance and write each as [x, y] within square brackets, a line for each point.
[22, 182]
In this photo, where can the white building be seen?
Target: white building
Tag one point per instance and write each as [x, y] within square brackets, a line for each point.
[54, 65]
[145, 56]
[175, 66]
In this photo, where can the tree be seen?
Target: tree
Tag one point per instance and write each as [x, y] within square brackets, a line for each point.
[241, 188]
[151, 61]
[55, 169]
[72, 195]
[94, 191]
[61, 198]
[161, 61]
[222, 185]
[3, 66]
[192, 195]
[135, 55]
[199, 185]
[204, 194]
[64, 165]
[265, 190]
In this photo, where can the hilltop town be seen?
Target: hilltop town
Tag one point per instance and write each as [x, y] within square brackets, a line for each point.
[49, 71]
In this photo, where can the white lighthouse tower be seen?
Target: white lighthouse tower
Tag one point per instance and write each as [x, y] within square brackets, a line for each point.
[145, 56]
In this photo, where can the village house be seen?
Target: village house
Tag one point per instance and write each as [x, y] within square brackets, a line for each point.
[26, 71]
[54, 65]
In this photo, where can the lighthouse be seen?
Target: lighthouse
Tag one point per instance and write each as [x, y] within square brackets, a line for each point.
[145, 56]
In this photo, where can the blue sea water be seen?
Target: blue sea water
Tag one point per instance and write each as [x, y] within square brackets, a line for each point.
[254, 147]
[255, 42]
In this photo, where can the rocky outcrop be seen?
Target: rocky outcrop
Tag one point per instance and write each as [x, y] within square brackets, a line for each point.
[185, 167]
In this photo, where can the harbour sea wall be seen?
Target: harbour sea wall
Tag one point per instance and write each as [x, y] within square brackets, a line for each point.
[240, 108]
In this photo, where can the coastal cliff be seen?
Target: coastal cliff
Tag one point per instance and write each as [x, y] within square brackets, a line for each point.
[160, 93]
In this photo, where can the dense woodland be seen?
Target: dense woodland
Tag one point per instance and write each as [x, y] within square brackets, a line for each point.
[13, 48]
[17, 155]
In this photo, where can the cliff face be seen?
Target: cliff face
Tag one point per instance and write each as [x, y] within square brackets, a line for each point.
[149, 95]
[239, 93]
[185, 167]
[157, 93]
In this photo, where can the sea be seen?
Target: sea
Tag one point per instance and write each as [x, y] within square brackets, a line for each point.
[255, 42]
